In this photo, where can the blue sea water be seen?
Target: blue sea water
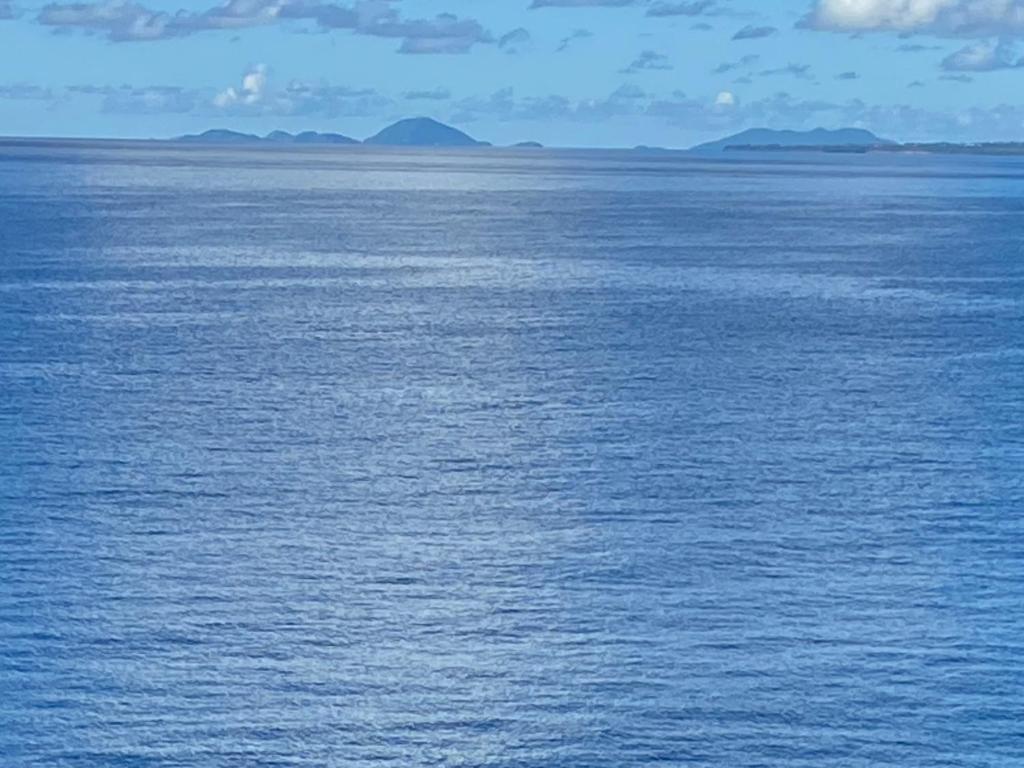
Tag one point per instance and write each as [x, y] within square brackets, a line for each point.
[525, 460]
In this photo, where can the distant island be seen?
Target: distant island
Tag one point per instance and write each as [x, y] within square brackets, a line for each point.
[423, 132]
[221, 136]
[426, 132]
[994, 148]
[655, 150]
[412, 132]
[848, 141]
[819, 137]
[310, 137]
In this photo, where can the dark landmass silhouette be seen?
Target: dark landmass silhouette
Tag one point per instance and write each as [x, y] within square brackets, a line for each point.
[426, 132]
[819, 137]
[412, 132]
[223, 136]
[310, 137]
[220, 136]
[649, 150]
[422, 132]
[992, 148]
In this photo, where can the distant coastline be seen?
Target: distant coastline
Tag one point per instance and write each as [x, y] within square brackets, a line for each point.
[426, 133]
[1002, 149]
[411, 132]
[848, 141]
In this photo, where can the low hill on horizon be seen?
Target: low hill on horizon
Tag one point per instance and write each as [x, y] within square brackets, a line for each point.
[220, 136]
[411, 132]
[422, 132]
[224, 136]
[427, 132]
[310, 137]
[819, 137]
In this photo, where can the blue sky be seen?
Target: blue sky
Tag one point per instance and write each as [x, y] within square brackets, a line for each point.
[563, 72]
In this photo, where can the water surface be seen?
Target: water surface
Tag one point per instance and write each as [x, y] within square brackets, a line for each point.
[359, 458]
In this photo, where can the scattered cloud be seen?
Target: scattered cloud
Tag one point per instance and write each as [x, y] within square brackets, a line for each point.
[988, 35]
[724, 111]
[232, 15]
[655, 8]
[983, 57]
[504, 105]
[6, 10]
[436, 45]
[258, 95]
[333, 16]
[146, 100]
[128, 21]
[118, 21]
[745, 62]
[515, 40]
[957, 18]
[648, 60]
[629, 91]
[691, 8]
[251, 91]
[255, 95]
[579, 3]
[152, 100]
[445, 33]
[25, 92]
[800, 71]
[727, 113]
[752, 32]
[437, 94]
[576, 34]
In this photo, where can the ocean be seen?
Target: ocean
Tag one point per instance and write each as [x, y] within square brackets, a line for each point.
[533, 459]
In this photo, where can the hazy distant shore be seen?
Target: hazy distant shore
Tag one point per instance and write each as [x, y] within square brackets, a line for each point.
[938, 148]
[214, 140]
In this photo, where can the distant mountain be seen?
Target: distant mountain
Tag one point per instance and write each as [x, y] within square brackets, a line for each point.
[220, 136]
[653, 150]
[312, 137]
[414, 132]
[528, 145]
[422, 132]
[819, 137]
[309, 137]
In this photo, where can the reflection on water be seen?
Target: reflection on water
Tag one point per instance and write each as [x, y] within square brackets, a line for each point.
[372, 458]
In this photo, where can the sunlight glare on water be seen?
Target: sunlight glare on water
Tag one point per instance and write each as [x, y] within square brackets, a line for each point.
[363, 458]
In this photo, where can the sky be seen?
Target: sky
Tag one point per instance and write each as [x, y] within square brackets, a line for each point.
[582, 73]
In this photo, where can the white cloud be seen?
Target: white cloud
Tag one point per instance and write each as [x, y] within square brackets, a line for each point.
[128, 20]
[255, 81]
[258, 95]
[254, 84]
[725, 99]
[983, 57]
[119, 20]
[940, 17]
